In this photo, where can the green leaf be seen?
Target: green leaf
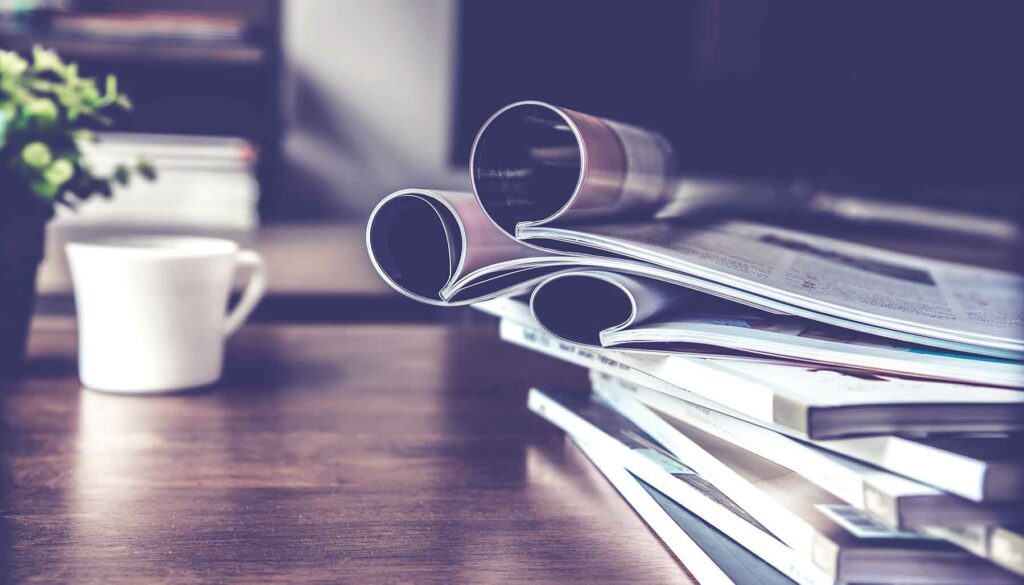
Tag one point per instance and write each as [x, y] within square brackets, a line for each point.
[83, 135]
[59, 172]
[46, 110]
[111, 93]
[89, 93]
[44, 190]
[36, 155]
[42, 109]
[46, 60]
[11, 64]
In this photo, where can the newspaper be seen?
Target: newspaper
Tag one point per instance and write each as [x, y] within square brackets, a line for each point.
[441, 248]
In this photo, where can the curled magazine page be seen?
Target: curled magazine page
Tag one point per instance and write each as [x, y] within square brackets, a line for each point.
[724, 333]
[929, 299]
[421, 241]
[579, 305]
[534, 164]
[538, 163]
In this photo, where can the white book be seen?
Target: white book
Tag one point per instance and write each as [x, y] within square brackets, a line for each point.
[177, 198]
[979, 468]
[172, 149]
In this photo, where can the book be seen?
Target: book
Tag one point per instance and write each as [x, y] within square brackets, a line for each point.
[813, 537]
[177, 27]
[694, 542]
[203, 182]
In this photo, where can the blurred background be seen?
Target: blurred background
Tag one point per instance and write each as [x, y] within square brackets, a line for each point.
[282, 122]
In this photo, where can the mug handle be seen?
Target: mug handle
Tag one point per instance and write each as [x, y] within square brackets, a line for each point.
[253, 292]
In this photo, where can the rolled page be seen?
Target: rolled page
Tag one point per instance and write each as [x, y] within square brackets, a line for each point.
[536, 163]
[579, 305]
[421, 241]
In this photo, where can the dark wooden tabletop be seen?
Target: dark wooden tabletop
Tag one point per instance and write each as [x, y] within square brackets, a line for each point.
[341, 453]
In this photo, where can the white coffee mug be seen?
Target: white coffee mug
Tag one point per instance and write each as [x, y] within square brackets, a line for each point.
[152, 311]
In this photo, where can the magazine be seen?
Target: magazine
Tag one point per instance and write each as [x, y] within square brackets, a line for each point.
[818, 537]
[1001, 544]
[628, 446]
[897, 502]
[638, 313]
[442, 248]
[808, 402]
[695, 543]
[981, 467]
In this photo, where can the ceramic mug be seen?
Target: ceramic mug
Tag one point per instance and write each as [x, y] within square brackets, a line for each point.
[152, 310]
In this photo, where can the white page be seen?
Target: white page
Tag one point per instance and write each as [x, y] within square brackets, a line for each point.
[868, 285]
[800, 339]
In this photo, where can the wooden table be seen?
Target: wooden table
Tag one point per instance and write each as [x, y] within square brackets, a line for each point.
[337, 453]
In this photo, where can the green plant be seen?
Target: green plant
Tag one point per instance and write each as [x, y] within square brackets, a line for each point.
[46, 112]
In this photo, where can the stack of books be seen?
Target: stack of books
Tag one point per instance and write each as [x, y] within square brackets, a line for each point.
[150, 27]
[779, 407]
[204, 183]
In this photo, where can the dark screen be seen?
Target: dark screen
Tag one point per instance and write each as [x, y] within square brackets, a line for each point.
[893, 97]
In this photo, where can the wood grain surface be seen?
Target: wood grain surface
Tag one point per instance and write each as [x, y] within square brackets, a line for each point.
[364, 454]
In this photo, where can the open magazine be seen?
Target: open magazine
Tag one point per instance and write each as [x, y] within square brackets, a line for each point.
[443, 248]
[637, 313]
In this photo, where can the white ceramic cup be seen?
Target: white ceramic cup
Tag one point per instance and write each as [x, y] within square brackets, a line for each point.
[152, 311]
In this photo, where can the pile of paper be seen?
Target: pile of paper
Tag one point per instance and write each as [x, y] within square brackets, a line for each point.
[778, 407]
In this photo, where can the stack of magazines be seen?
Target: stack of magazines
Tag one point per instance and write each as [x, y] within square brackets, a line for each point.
[779, 407]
